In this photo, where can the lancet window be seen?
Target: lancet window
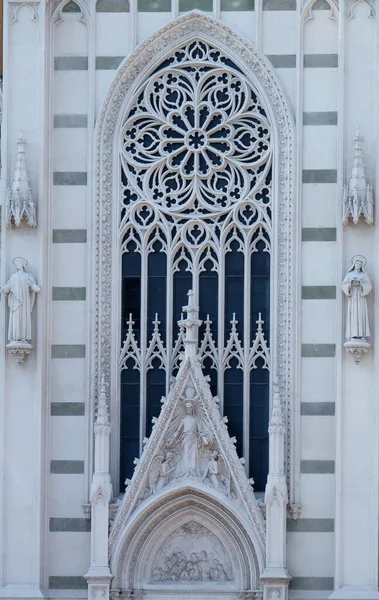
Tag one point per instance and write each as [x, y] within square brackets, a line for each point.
[196, 160]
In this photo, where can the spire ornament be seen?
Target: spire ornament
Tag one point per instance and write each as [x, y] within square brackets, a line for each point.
[358, 198]
[20, 206]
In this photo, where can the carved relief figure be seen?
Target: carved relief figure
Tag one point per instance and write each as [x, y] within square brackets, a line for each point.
[20, 289]
[191, 437]
[198, 567]
[217, 472]
[357, 286]
[162, 469]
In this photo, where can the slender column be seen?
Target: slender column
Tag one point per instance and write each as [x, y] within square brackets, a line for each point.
[275, 576]
[99, 575]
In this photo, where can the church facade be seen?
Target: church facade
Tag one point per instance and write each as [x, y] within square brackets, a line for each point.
[188, 362]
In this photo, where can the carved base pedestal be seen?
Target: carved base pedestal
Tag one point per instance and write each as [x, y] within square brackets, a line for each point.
[20, 350]
[357, 347]
[275, 587]
[98, 587]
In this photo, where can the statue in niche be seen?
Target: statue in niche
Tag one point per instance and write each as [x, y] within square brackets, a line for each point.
[357, 286]
[191, 435]
[20, 290]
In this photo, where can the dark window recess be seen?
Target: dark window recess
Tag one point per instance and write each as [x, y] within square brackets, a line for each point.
[258, 426]
[182, 283]
[208, 303]
[259, 377]
[130, 421]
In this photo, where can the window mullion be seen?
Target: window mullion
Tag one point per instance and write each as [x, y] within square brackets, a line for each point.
[143, 338]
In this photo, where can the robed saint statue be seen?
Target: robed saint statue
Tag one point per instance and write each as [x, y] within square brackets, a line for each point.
[20, 290]
[357, 286]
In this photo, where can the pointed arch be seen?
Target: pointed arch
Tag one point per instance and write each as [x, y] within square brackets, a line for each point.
[285, 296]
[145, 535]
[307, 12]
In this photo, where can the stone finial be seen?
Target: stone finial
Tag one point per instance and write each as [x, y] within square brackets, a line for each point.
[191, 326]
[19, 202]
[358, 200]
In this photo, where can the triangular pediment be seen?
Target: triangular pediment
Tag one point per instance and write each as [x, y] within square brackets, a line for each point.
[190, 446]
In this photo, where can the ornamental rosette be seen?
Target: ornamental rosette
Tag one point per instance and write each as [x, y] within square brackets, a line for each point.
[197, 140]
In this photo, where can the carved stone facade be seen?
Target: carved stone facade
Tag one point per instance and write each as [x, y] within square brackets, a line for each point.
[199, 138]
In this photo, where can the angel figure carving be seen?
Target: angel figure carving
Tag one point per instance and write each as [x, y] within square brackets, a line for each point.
[191, 434]
[161, 472]
[356, 286]
[217, 472]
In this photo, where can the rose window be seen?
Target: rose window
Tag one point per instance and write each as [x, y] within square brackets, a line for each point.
[196, 188]
[197, 139]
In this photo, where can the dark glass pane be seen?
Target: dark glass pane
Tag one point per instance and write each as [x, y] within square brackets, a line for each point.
[260, 290]
[182, 284]
[234, 289]
[208, 303]
[131, 290]
[156, 387]
[156, 298]
[259, 418]
[130, 421]
[233, 404]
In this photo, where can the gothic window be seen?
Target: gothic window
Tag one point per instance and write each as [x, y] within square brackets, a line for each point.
[196, 159]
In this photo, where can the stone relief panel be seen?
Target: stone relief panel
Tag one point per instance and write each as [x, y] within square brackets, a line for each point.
[192, 553]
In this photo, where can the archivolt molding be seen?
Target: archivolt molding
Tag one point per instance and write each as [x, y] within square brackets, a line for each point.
[260, 72]
[147, 530]
[307, 12]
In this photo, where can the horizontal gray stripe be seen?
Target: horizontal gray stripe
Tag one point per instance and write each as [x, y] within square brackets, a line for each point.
[237, 5]
[70, 121]
[70, 525]
[318, 292]
[71, 63]
[67, 409]
[320, 118]
[320, 61]
[318, 234]
[312, 583]
[321, 5]
[318, 350]
[310, 525]
[69, 293]
[317, 467]
[283, 61]
[67, 467]
[68, 351]
[69, 236]
[318, 409]
[67, 582]
[154, 5]
[112, 6]
[108, 63]
[70, 178]
[279, 5]
[319, 176]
